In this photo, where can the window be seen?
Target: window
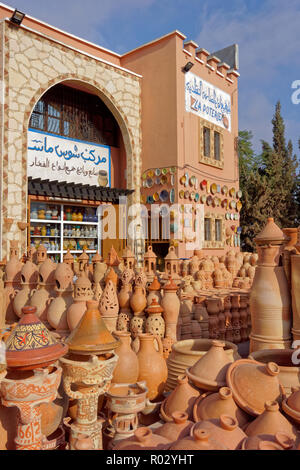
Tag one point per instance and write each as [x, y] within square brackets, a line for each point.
[206, 141]
[207, 230]
[217, 145]
[72, 113]
[218, 230]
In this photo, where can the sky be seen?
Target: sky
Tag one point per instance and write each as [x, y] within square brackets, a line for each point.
[267, 33]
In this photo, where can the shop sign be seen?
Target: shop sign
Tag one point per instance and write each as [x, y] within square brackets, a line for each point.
[56, 158]
[207, 101]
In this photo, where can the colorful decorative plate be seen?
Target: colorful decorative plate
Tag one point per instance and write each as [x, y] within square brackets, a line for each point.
[224, 203]
[227, 216]
[150, 174]
[232, 216]
[187, 195]
[156, 197]
[165, 171]
[213, 188]
[150, 200]
[172, 180]
[203, 184]
[216, 202]
[149, 183]
[192, 181]
[157, 180]
[196, 184]
[232, 205]
[183, 180]
[172, 196]
[143, 199]
[197, 197]
[157, 172]
[186, 180]
[144, 176]
[164, 180]
[239, 194]
[173, 170]
[181, 194]
[218, 188]
[203, 199]
[164, 196]
[232, 192]
[225, 190]
[239, 206]
[236, 217]
[209, 201]
[192, 196]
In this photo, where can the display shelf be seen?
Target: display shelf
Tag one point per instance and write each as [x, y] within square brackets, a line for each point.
[70, 222]
[80, 251]
[45, 236]
[44, 221]
[83, 238]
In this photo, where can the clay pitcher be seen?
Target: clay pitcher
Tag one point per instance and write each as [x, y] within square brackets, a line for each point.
[138, 301]
[127, 368]
[152, 366]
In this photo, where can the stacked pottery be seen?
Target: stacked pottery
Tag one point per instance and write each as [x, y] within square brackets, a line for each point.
[57, 311]
[29, 280]
[243, 313]
[222, 318]
[201, 315]
[181, 399]
[196, 330]
[127, 368]
[213, 307]
[291, 405]
[42, 297]
[82, 294]
[270, 297]
[224, 429]
[171, 305]
[155, 323]
[152, 366]
[278, 441]
[209, 372]
[186, 353]
[212, 406]
[109, 306]
[235, 318]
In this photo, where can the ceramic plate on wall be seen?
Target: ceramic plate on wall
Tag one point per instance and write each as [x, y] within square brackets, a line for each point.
[209, 201]
[143, 199]
[239, 194]
[144, 177]
[181, 194]
[232, 205]
[183, 180]
[232, 216]
[225, 190]
[232, 192]
[186, 194]
[150, 183]
[165, 171]
[172, 196]
[192, 181]
[150, 174]
[172, 180]
[239, 206]
[203, 184]
[157, 172]
[236, 217]
[196, 184]
[145, 184]
[197, 197]
[192, 196]
[157, 180]
[173, 170]
[156, 197]
[186, 180]
[213, 188]
[227, 216]
[164, 196]
[203, 199]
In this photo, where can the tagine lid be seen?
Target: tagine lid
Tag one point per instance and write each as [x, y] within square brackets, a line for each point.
[270, 233]
[31, 345]
[155, 286]
[91, 335]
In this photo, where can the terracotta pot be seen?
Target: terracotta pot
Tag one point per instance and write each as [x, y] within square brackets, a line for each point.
[288, 374]
[155, 323]
[271, 421]
[224, 429]
[127, 368]
[75, 313]
[152, 366]
[202, 440]
[178, 428]
[143, 439]
[57, 311]
[124, 297]
[214, 405]
[171, 305]
[138, 301]
[269, 255]
[186, 353]
[253, 383]
[41, 300]
[209, 373]
[267, 442]
[181, 399]
[21, 300]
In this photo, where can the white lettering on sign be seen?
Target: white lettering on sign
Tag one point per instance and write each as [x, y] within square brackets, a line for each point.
[58, 158]
[207, 101]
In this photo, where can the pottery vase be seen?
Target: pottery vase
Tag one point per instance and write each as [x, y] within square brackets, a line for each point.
[171, 305]
[127, 368]
[138, 301]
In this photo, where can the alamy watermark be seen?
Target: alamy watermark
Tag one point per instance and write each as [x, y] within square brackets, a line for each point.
[296, 94]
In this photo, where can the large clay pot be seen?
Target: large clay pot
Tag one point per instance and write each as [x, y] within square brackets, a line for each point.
[224, 429]
[289, 374]
[41, 300]
[181, 399]
[152, 366]
[127, 368]
[209, 372]
[75, 313]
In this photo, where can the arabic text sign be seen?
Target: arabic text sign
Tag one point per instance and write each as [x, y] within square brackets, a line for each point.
[60, 159]
[207, 101]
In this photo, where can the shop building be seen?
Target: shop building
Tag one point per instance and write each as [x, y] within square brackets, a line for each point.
[82, 126]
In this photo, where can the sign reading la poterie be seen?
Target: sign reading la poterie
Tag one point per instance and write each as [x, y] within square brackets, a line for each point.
[207, 101]
[56, 158]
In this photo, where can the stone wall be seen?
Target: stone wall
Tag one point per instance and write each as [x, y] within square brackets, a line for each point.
[32, 64]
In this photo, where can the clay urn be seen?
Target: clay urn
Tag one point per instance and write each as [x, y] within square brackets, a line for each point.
[57, 311]
[253, 383]
[178, 428]
[31, 345]
[202, 440]
[127, 368]
[152, 366]
[143, 439]
[214, 405]
[182, 399]
[82, 294]
[291, 405]
[171, 305]
[209, 372]
[155, 324]
[270, 422]
[91, 335]
[270, 233]
[224, 429]
[154, 292]
[138, 301]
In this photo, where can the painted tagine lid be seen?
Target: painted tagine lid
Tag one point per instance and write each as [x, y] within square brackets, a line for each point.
[31, 345]
[181, 399]
[214, 405]
[170, 286]
[270, 234]
[253, 383]
[91, 335]
[154, 308]
[209, 372]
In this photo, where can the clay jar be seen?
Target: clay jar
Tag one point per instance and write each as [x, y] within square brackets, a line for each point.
[270, 422]
[253, 383]
[216, 404]
[127, 368]
[178, 428]
[155, 324]
[138, 301]
[143, 439]
[154, 292]
[82, 294]
[209, 372]
[152, 366]
[124, 297]
[171, 305]
[181, 399]
[224, 429]
[57, 311]
[201, 440]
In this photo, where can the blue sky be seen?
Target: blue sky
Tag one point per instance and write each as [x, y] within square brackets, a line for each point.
[267, 33]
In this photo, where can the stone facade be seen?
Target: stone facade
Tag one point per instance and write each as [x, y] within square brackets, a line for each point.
[31, 64]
